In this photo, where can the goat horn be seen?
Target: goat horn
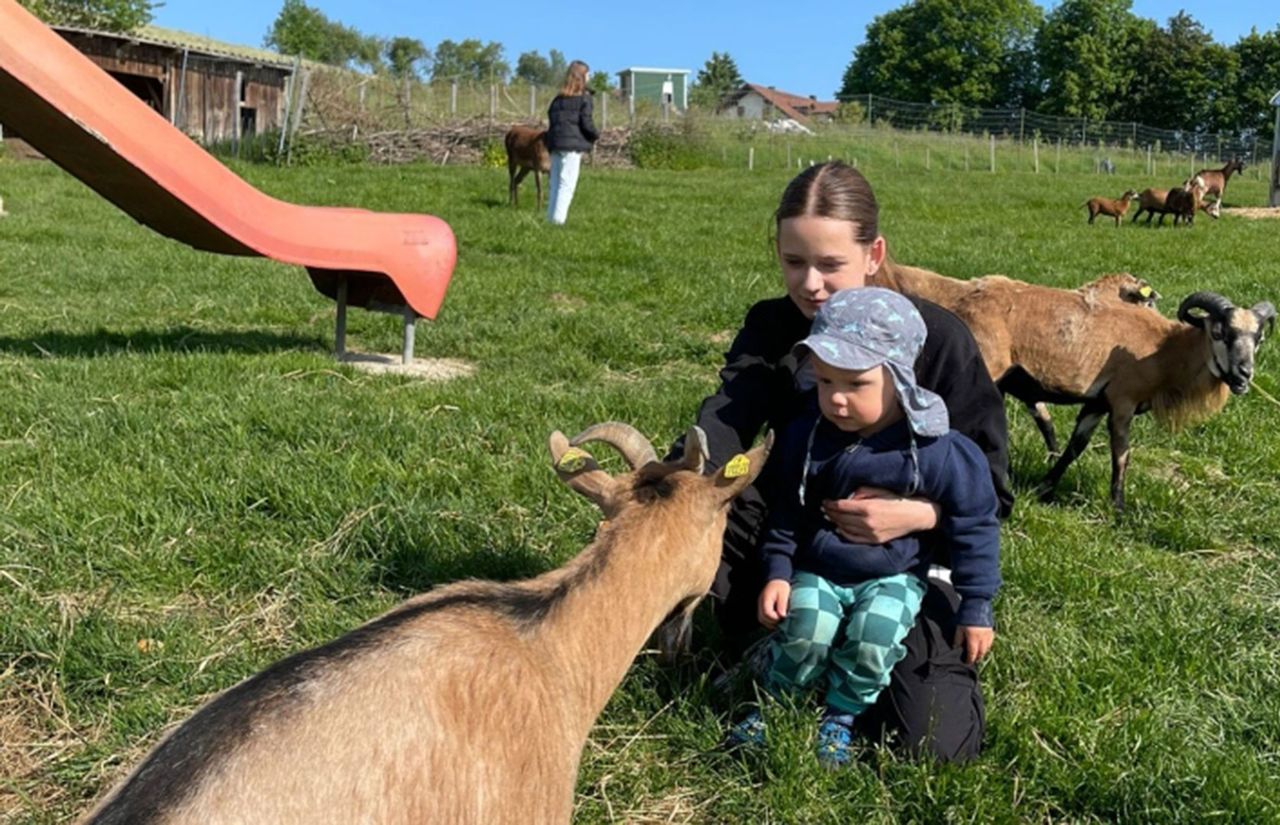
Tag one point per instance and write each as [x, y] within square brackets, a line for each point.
[624, 438]
[1210, 302]
[1265, 311]
[695, 449]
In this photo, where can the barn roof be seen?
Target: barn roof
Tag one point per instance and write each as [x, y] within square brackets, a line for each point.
[196, 44]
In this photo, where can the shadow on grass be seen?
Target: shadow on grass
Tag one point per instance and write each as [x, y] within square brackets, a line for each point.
[174, 339]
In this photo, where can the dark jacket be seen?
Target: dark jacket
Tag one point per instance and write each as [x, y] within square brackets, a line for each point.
[758, 387]
[571, 129]
[952, 472]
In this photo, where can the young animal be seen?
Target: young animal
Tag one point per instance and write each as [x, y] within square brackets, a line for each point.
[1001, 312]
[1156, 202]
[526, 152]
[1183, 203]
[469, 704]
[1216, 179]
[1109, 207]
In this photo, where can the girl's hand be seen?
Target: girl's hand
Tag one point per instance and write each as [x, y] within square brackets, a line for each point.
[977, 642]
[773, 602]
[875, 516]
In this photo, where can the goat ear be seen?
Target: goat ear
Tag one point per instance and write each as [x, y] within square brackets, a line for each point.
[580, 472]
[739, 472]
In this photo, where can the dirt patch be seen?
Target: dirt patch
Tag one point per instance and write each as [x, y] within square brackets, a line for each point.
[428, 369]
[34, 735]
[1253, 213]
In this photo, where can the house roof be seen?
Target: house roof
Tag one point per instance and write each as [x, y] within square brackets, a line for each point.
[796, 107]
[174, 39]
[654, 71]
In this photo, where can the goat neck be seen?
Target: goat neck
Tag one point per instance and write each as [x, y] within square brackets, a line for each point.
[655, 553]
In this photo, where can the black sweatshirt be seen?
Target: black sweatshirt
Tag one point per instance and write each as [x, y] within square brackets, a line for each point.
[759, 390]
[571, 128]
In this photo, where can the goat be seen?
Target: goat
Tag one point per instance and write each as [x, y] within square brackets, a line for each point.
[1115, 357]
[1112, 208]
[526, 152]
[1216, 179]
[1155, 202]
[469, 704]
[1183, 203]
[991, 306]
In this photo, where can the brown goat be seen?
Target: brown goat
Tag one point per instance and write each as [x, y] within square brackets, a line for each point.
[1216, 179]
[469, 704]
[1183, 203]
[1156, 202]
[526, 152]
[1112, 208]
[969, 299]
[1115, 358]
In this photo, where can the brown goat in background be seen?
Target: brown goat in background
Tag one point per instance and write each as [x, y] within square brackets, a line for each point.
[468, 704]
[1109, 207]
[993, 307]
[526, 152]
[1215, 180]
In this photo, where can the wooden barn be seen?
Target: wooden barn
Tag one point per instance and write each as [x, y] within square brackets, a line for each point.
[215, 92]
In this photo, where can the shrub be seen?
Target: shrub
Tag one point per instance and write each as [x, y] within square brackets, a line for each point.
[662, 146]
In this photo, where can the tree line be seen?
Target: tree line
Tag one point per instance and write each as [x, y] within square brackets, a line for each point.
[1091, 59]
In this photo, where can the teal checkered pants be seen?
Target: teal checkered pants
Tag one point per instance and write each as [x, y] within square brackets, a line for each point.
[852, 634]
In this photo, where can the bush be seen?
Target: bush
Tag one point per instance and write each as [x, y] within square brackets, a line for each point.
[306, 150]
[662, 146]
[494, 155]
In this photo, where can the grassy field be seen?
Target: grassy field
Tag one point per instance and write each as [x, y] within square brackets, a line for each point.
[191, 488]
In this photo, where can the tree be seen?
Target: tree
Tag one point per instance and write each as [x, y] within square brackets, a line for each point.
[470, 60]
[1087, 52]
[1258, 80]
[1185, 80]
[302, 30]
[717, 78]
[600, 82]
[404, 55]
[973, 52]
[105, 15]
[532, 67]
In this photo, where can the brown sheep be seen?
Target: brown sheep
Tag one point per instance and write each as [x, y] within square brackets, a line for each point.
[468, 704]
[1114, 358]
[1112, 208]
[526, 152]
[959, 297]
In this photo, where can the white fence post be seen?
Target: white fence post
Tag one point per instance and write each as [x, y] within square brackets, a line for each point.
[751, 158]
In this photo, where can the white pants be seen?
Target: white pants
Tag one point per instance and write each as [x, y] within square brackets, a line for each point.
[564, 179]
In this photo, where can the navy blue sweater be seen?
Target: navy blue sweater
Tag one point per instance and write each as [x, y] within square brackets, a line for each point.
[953, 473]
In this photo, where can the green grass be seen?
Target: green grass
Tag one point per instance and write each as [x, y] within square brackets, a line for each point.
[182, 464]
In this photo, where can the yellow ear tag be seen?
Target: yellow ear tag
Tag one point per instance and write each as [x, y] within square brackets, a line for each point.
[739, 465]
[573, 460]
[1144, 291]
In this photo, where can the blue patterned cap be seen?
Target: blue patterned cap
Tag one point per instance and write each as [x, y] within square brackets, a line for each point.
[862, 328]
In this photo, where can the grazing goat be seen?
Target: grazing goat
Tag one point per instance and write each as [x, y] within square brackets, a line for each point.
[991, 305]
[1112, 208]
[1216, 179]
[526, 152]
[469, 704]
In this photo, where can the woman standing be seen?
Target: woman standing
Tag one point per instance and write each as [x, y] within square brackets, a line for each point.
[571, 132]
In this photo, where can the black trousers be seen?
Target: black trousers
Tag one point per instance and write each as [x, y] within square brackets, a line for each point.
[933, 705]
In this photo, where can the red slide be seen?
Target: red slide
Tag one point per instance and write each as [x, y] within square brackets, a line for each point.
[90, 125]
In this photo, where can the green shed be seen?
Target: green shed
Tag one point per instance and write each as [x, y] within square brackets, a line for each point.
[655, 85]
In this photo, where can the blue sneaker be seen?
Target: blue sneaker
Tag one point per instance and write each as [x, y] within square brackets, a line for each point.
[747, 732]
[835, 741]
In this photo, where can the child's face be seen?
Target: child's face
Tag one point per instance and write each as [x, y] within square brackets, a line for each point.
[820, 256]
[861, 401]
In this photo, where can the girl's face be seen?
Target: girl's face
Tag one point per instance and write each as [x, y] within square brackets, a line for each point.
[820, 256]
[857, 401]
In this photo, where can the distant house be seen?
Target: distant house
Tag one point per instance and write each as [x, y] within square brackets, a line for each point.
[756, 102]
[211, 90]
[670, 86]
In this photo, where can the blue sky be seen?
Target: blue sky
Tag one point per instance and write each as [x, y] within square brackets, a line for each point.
[802, 49]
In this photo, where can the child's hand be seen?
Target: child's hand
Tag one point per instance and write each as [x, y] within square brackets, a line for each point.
[773, 602]
[976, 641]
[875, 516]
